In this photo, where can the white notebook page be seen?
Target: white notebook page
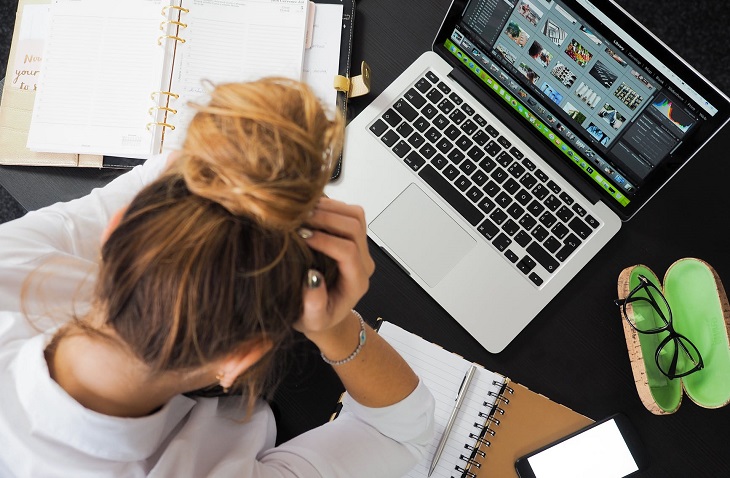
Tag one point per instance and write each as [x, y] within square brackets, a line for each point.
[232, 41]
[442, 372]
[101, 62]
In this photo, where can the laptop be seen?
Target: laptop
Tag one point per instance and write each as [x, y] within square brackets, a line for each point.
[500, 162]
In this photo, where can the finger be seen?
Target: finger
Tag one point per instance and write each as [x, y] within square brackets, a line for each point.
[314, 303]
[355, 269]
[337, 224]
[332, 205]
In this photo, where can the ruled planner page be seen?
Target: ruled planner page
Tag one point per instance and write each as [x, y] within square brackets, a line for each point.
[233, 41]
[100, 64]
[442, 372]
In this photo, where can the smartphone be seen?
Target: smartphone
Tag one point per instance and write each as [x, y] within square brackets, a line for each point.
[608, 448]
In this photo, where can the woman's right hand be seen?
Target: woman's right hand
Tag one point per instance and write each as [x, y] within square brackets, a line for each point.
[340, 232]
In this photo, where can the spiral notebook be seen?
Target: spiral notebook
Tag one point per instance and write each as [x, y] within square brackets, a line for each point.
[116, 76]
[499, 420]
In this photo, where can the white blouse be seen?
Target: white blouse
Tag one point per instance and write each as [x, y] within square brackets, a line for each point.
[44, 432]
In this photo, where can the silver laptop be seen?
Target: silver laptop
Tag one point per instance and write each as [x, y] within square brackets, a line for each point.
[499, 163]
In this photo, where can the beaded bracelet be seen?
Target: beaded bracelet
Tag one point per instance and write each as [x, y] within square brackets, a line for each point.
[361, 342]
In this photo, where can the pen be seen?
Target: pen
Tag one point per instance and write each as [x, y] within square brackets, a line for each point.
[459, 400]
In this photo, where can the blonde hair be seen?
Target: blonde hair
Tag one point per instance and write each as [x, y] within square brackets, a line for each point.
[207, 256]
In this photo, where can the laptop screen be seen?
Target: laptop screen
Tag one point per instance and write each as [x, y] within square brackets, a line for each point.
[601, 92]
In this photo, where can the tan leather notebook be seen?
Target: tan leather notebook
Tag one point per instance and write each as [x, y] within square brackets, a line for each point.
[18, 93]
[498, 421]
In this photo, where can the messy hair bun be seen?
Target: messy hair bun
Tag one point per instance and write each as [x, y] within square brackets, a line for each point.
[263, 149]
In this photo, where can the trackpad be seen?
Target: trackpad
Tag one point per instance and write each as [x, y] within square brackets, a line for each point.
[422, 235]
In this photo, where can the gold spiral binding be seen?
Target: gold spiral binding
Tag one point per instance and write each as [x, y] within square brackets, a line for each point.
[475, 450]
[159, 123]
[168, 93]
[480, 439]
[170, 37]
[470, 461]
[172, 22]
[164, 108]
[174, 7]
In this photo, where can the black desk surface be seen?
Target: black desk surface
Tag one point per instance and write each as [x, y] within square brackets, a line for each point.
[574, 351]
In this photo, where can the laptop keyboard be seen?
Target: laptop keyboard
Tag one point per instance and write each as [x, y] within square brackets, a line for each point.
[515, 205]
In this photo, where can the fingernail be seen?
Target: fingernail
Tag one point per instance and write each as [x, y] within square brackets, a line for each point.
[305, 233]
[314, 279]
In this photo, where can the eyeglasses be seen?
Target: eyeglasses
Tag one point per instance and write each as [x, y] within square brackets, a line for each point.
[676, 356]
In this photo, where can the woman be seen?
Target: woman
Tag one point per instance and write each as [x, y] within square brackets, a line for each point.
[192, 273]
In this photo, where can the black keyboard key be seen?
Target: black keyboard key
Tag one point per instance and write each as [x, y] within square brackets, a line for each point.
[526, 264]
[492, 131]
[528, 181]
[540, 233]
[429, 111]
[516, 170]
[467, 109]
[456, 156]
[479, 177]
[523, 197]
[439, 161]
[504, 158]
[553, 186]
[541, 175]
[559, 230]
[547, 219]
[481, 138]
[414, 160]
[504, 142]
[444, 87]
[552, 202]
[528, 222]
[463, 183]
[405, 110]
[499, 175]
[564, 213]
[503, 199]
[440, 121]
[401, 148]
[432, 76]
[421, 124]
[498, 216]
[535, 207]
[488, 229]
[540, 192]
[480, 121]
[566, 198]
[423, 85]
[444, 145]
[404, 129]
[528, 164]
[446, 106]
[434, 96]
[391, 117]
[468, 167]
[487, 164]
[579, 226]
[579, 210]
[516, 153]
[502, 242]
[592, 221]
[456, 98]
[511, 256]
[543, 257]
[511, 186]
[475, 153]
[475, 194]
[493, 149]
[389, 138]
[433, 134]
[427, 150]
[570, 244]
[379, 127]
[552, 244]
[450, 172]
[536, 279]
[416, 140]
[469, 127]
[452, 132]
[492, 188]
[415, 98]
[464, 143]
[486, 205]
[522, 238]
[515, 210]
[451, 195]
[457, 117]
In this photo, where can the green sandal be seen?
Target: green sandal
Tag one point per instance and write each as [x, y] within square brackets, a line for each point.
[700, 313]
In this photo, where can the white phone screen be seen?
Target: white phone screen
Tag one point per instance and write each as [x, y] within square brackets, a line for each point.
[599, 452]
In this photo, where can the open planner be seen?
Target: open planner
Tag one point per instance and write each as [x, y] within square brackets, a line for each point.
[498, 422]
[117, 75]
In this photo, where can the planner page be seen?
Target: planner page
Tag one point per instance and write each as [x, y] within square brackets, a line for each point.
[101, 62]
[442, 372]
[233, 41]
